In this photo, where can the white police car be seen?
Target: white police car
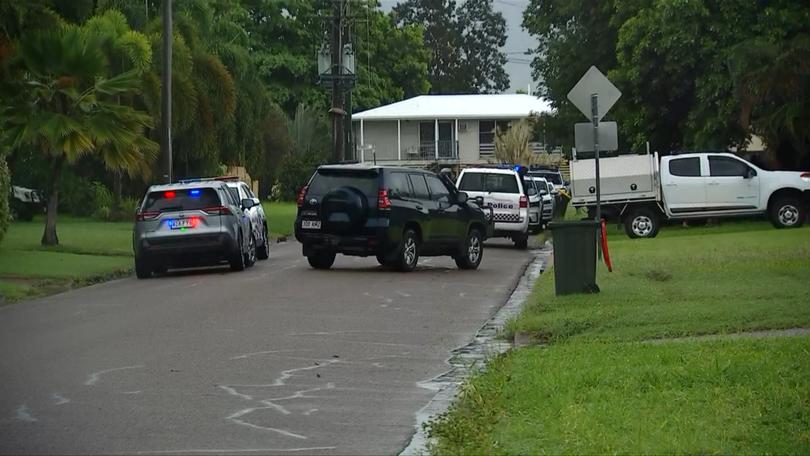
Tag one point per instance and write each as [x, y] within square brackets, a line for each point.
[501, 189]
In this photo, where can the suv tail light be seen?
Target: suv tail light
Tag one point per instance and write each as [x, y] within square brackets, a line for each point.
[806, 176]
[382, 199]
[217, 210]
[524, 202]
[148, 215]
[302, 194]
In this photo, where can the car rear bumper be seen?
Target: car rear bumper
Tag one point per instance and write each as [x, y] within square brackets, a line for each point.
[360, 245]
[209, 245]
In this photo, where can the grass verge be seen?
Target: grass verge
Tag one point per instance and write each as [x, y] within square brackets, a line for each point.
[281, 217]
[597, 388]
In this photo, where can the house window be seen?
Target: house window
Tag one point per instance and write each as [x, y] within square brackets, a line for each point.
[486, 130]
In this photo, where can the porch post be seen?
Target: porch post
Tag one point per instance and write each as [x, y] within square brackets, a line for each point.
[455, 142]
[399, 139]
[436, 138]
[362, 143]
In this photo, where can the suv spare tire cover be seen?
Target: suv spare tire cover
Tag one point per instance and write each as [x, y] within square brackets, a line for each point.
[344, 210]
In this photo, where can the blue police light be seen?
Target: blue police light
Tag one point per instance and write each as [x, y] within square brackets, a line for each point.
[194, 193]
[517, 168]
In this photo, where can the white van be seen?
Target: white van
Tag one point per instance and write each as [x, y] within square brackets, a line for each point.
[502, 190]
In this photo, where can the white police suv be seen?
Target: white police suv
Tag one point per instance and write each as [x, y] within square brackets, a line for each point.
[501, 189]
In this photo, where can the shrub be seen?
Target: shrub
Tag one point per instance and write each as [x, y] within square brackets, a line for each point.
[101, 201]
[294, 173]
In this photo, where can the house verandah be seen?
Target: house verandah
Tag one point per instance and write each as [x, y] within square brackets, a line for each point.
[453, 129]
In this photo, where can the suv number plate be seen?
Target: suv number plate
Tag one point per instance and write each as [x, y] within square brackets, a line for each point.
[181, 223]
[311, 224]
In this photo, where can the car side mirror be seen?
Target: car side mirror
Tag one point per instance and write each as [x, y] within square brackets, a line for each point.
[532, 192]
[543, 192]
[749, 173]
[479, 200]
[247, 203]
[462, 197]
[566, 183]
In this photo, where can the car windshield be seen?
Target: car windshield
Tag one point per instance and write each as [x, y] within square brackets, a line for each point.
[550, 176]
[326, 180]
[487, 182]
[181, 200]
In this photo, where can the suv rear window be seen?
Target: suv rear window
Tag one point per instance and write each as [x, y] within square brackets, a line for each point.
[550, 176]
[181, 200]
[489, 182]
[326, 180]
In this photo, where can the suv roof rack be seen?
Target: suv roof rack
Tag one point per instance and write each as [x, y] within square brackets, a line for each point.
[208, 179]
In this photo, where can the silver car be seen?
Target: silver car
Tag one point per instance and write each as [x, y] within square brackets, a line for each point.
[545, 188]
[258, 221]
[192, 223]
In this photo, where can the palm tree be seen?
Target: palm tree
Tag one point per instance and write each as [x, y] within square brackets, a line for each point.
[63, 103]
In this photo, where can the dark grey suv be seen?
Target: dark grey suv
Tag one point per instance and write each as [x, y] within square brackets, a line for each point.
[395, 214]
[192, 224]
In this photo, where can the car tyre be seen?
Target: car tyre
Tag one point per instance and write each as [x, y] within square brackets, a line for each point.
[521, 241]
[472, 251]
[641, 222]
[142, 269]
[323, 259]
[237, 260]
[250, 255]
[788, 212]
[408, 255]
[263, 251]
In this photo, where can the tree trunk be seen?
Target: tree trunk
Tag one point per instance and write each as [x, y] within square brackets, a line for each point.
[118, 184]
[49, 237]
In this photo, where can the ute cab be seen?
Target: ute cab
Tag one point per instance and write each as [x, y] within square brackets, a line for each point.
[502, 189]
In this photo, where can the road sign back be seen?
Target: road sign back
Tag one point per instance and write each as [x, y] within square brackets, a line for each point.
[594, 82]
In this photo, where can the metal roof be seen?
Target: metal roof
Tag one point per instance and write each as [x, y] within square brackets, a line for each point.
[501, 106]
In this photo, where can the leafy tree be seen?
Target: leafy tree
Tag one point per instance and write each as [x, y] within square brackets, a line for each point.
[62, 102]
[392, 61]
[464, 41]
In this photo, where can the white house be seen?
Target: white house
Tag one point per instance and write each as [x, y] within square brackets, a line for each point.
[439, 128]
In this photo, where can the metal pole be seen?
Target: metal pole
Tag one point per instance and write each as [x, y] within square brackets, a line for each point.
[595, 120]
[336, 47]
[166, 94]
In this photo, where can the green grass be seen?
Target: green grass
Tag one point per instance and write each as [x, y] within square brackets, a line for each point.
[88, 251]
[741, 397]
[712, 280]
[598, 388]
[281, 217]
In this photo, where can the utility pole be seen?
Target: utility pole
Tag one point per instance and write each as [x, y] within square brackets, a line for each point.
[166, 95]
[338, 110]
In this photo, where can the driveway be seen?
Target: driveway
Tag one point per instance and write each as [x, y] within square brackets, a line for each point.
[278, 359]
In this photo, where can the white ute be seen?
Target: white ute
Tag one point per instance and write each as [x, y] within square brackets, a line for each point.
[502, 190]
[640, 191]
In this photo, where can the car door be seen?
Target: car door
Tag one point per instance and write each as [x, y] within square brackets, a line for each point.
[403, 204]
[253, 212]
[424, 206]
[240, 217]
[732, 184]
[685, 185]
[446, 212]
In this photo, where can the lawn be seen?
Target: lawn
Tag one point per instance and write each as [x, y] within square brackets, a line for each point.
[281, 217]
[88, 251]
[598, 386]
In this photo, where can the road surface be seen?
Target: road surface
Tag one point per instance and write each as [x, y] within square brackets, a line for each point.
[280, 358]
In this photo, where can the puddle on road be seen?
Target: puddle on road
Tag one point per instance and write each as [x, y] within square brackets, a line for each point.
[473, 356]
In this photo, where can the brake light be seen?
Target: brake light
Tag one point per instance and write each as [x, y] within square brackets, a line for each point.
[302, 194]
[524, 202]
[217, 210]
[806, 176]
[148, 215]
[382, 199]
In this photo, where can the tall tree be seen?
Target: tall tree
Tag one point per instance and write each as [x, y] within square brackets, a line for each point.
[465, 41]
[63, 102]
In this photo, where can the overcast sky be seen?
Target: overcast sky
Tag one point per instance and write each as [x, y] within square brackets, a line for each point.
[517, 41]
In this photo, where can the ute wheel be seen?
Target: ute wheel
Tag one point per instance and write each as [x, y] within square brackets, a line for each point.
[237, 260]
[787, 212]
[263, 251]
[641, 222]
[408, 252]
[250, 255]
[323, 259]
[142, 269]
[472, 251]
[521, 241]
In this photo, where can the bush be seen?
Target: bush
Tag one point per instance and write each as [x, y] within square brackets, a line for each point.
[101, 201]
[76, 195]
[5, 187]
[294, 173]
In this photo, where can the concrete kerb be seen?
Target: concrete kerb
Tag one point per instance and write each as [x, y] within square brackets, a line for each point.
[472, 357]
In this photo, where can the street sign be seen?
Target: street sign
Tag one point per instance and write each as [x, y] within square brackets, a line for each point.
[593, 82]
[608, 136]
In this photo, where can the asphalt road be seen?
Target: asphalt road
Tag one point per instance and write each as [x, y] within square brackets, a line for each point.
[278, 359]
